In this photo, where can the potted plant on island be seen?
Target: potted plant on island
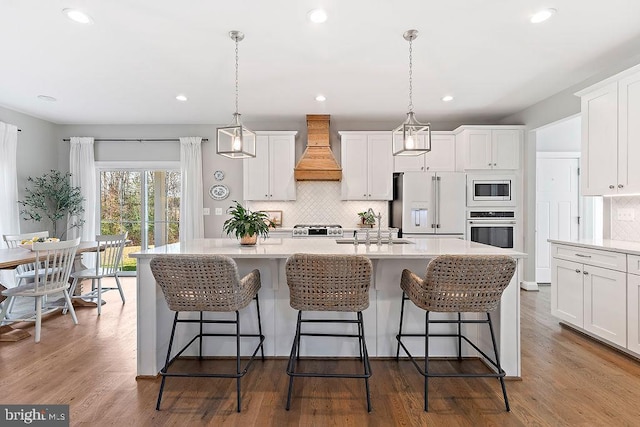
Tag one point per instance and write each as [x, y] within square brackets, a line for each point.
[246, 225]
[368, 218]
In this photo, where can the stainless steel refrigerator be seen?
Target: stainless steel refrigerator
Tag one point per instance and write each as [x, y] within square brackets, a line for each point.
[428, 204]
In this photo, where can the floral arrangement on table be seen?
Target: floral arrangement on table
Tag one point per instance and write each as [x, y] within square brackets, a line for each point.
[368, 219]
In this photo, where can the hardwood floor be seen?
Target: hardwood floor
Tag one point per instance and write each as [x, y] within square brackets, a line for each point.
[568, 379]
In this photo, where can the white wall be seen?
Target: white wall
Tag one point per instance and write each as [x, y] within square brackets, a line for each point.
[563, 136]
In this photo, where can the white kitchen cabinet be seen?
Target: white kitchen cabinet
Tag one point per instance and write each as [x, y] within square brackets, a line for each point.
[269, 175]
[367, 166]
[441, 158]
[633, 303]
[489, 147]
[588, 296]
[611, 135]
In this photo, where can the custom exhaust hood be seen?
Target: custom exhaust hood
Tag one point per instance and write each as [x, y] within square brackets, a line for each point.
[317, 162]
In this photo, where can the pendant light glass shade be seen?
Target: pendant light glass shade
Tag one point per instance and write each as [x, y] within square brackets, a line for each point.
[235, 140]
[411, 138]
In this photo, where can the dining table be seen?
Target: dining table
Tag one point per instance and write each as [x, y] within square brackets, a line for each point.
[11, 258]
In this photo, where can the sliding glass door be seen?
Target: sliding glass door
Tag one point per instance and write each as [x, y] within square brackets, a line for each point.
[144, 203]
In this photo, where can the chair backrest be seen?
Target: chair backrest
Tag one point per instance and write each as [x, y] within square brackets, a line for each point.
[199, 282]
[466, 283]
[14, 240]
[328, 282]
[110, 252]
[55, 260]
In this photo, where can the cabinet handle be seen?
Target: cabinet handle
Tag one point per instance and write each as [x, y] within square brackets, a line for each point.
[612, 187]
[266, 195]
[585, 272]
[495, 164]
[577, 271]
[428, 167]
[422, 167]
[369, 195]
[489, 164]
[620, 186]
[583, 256]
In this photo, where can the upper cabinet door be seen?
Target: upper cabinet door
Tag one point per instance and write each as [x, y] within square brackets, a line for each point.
[282, 162]
[599, 160]
[380, 167]
[442, 157]
[629, 134]
[479, 152]
[506, 148]
[354, 166]
[256, 171]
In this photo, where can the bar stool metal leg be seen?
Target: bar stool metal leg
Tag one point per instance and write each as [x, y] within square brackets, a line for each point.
[426, 361]
[260, 326]
[495, 350]
[404, 298]
[295, 354]
[238, 371]
[166, 363]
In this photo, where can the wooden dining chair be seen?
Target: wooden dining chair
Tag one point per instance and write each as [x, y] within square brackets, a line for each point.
[109, 255]
[24, 272]
[54, 260]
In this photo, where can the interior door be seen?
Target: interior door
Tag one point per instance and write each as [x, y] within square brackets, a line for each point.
[556, 208]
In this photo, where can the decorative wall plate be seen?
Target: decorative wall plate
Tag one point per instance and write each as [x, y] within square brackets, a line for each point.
[219, 192]
[218, 175]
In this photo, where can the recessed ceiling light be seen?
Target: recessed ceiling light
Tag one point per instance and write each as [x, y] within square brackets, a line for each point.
[321, 98]
[542, 15]
[77, 16]
[47, 98]
[447, 98]
[317, 16]
[182, 98]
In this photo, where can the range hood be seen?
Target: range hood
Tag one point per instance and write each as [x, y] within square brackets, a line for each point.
[317, 162]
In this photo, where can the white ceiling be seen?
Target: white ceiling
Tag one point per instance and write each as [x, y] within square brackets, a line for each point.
[130, 64]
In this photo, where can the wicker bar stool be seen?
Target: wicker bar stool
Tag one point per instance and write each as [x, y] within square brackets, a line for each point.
[328, 283]
[456, 284]
[206, 283]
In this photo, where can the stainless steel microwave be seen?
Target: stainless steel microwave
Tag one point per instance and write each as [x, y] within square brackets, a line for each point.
[485, 190]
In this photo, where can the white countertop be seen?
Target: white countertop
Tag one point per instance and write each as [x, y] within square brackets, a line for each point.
[282, 248]
[604, 244]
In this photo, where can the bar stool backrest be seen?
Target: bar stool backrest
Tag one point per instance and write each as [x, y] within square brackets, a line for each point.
[465, 283]
[328, 282]
[200, 282]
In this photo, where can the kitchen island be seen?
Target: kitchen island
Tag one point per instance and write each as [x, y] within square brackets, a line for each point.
[278, 318]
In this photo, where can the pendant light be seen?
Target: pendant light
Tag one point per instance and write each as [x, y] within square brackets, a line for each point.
[411, 138]
[236, 141]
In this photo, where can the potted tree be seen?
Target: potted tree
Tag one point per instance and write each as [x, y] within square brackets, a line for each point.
[51, 197]
[246, 225]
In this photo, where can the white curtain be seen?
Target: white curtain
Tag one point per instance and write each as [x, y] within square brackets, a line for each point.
[9, 210]
[191, 219]
[83, 175]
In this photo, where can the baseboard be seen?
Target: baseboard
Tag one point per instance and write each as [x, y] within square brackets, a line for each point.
[529, 286]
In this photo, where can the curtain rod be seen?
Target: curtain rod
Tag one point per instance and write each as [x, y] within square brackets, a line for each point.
[137, 140]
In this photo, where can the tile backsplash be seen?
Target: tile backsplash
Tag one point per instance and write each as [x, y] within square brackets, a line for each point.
[318, 202]
[628, 230]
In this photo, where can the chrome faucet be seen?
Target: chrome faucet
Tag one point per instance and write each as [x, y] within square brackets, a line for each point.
[379, 242]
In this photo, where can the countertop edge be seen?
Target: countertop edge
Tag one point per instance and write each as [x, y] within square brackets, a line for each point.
[621, 246]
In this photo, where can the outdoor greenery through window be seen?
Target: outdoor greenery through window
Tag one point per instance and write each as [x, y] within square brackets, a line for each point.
[146, 204]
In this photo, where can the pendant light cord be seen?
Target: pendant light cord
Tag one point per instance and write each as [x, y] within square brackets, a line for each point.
[237, 75]
[411, 75]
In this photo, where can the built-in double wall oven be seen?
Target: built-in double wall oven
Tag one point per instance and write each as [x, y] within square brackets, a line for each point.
[492, 227]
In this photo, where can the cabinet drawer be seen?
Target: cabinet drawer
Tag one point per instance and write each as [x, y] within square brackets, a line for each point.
[633, 264]
[604, 259]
